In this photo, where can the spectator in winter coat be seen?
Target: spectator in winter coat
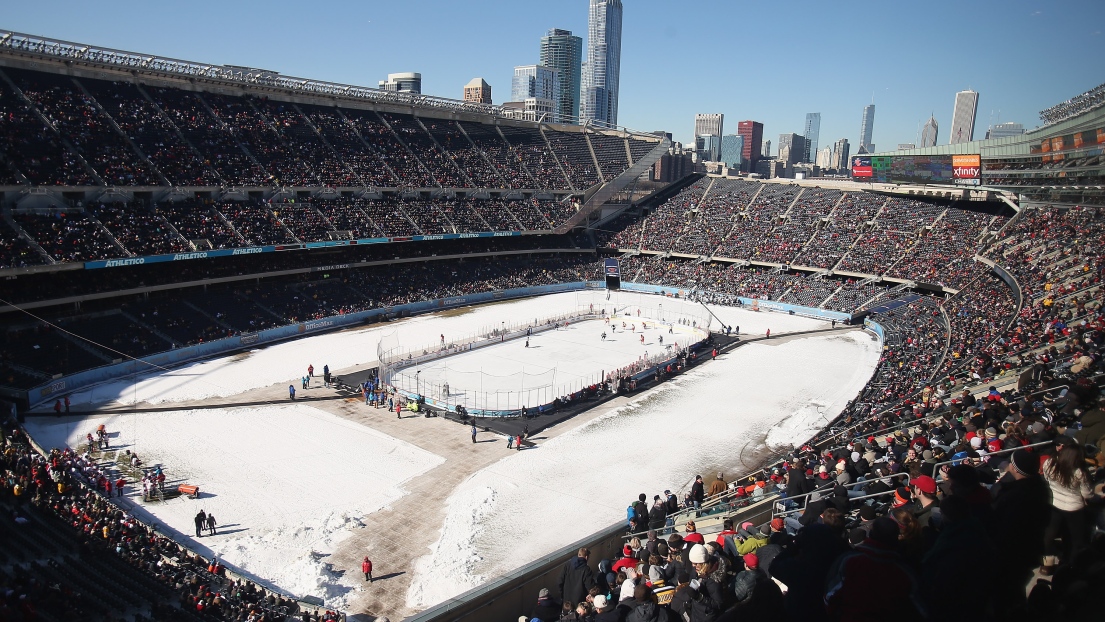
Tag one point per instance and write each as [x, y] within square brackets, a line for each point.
[698, 493]
[1022, 503]
[803, 567]
[718, 486]
[657, 516]
[366, 568]
[546, 608]
[576, 578]
[872, 580]
[628, 560]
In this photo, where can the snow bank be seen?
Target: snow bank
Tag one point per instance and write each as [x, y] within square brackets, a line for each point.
[533, 502]
[285, 483]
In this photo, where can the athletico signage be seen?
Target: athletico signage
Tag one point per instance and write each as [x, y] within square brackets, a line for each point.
[253, 250]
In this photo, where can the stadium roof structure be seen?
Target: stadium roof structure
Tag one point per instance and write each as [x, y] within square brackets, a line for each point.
[69, 52]
[1084, 112]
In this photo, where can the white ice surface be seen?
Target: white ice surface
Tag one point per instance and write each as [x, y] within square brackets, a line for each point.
[286, 483]
[531, 503]
[557, 362]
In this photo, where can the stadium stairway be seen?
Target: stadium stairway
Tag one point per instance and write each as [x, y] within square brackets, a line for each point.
[595, 202]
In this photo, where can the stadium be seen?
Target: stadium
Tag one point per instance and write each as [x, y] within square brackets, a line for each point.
[180, 240]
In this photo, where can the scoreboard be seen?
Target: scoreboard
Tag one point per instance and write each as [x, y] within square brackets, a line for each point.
[613, 272]
[960, 170]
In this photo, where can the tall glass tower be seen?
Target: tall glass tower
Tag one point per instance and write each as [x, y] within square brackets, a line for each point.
[602, 70]
[963, 117]
[813, 128]
[930, 132]
[866, 128]
[563, 52]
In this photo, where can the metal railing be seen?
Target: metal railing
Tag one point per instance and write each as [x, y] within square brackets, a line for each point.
[985, 458]
[826, 492]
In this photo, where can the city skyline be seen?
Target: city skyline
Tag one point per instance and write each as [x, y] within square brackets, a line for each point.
[658, 89]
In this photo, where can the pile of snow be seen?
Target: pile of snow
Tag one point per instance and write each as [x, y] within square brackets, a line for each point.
[286, 483]
[533, 502]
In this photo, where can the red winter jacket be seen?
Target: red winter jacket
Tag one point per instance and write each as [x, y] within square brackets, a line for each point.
[366, 566]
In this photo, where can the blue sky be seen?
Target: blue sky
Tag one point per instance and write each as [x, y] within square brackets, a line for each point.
[768, 61]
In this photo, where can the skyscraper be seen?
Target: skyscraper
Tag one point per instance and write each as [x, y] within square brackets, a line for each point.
[765, 150]
[930, 132]
[563, 52]
[732, 147]
[963, 117]
[477, 90]
[866, 128]
[709, 125]
[813, 127]
[752, 132]
[841, 155]
[534, 81]
[602, 69]
[792, 148]
[824, 158]
[407, 82]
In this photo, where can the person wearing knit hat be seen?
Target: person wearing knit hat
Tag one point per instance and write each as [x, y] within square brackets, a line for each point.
[751, 561]
[902, 497]
[692, 535]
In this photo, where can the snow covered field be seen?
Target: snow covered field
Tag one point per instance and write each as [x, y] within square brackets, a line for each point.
[533, 502]
[509, 375]
[285, 483]
[288, 482]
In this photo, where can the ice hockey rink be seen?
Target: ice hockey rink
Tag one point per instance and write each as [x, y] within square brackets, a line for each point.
[550, 363]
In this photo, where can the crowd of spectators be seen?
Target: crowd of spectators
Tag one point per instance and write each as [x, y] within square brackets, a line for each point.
[944, 253]
[667, 223]
[470, 158]
[134, 135]
[883, 520]
[846, 223]
[536, 156]
[287, 164]
[709, 218]
[446, 172]
[575, 158]
[750, 235]
[507, 163]
[41, 157]
[361, 155]
[896, 229]
[212, 138]
[69, 235]
[75, 115]
[140, 230]
[783, 243]
[611, 154]
[152, 133]
[257, 224]
[16, 251]
[98, 550]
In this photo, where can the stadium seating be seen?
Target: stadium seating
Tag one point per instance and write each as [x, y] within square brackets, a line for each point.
[575, 158]
[610, 151]
[530, 147]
